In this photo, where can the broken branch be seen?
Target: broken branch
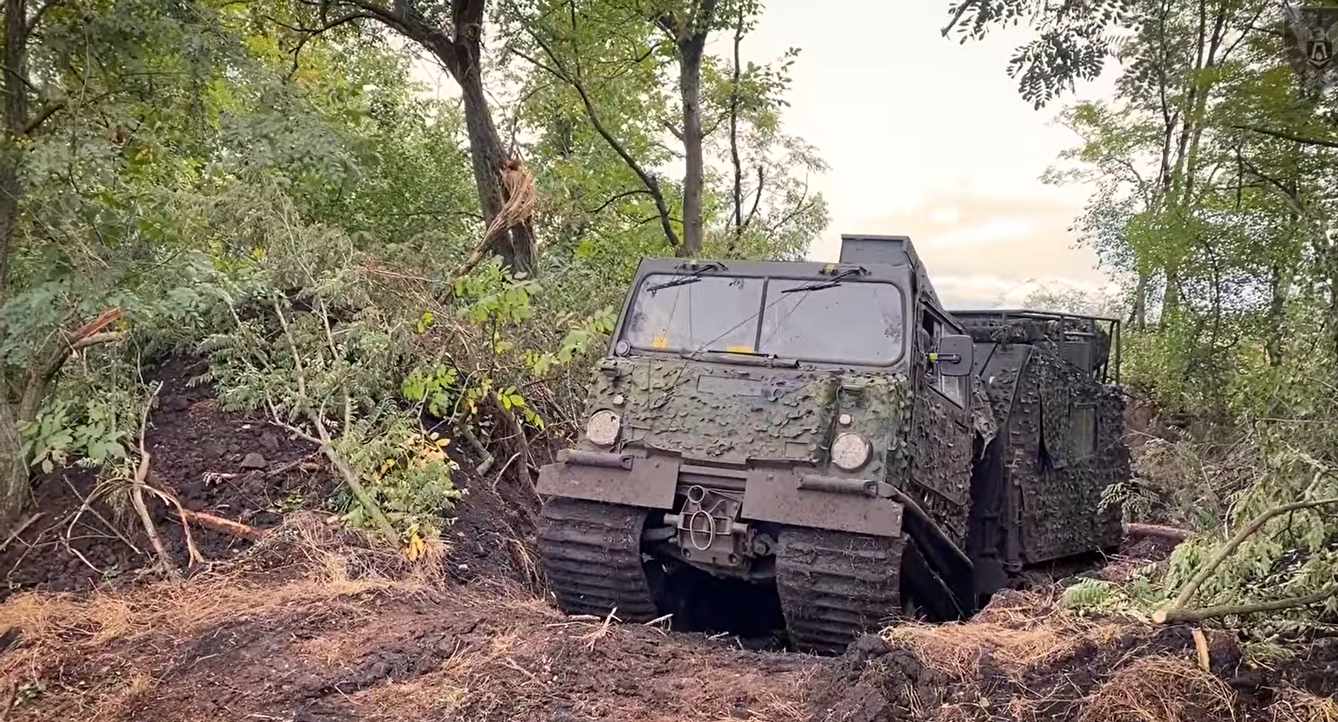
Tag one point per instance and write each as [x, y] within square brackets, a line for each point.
[322, 436]
[225, 526]
[19, 530]
[1162, 616]
[137, 485]
[1175, 616]
[1157, 530]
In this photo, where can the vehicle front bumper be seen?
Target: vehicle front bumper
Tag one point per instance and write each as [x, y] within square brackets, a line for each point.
[796, 496]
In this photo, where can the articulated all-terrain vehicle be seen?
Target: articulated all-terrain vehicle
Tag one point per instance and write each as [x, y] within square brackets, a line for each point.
[830, 431]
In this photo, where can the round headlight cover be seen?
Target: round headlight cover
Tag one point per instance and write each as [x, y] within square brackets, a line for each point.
[602, 428]
[850, 451]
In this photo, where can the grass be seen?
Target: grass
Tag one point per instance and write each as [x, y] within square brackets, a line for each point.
[1160, 689]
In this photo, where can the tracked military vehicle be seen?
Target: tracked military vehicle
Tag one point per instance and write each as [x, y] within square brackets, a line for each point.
[830, 431]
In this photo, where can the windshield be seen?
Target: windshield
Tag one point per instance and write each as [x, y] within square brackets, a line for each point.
[718, 312]
[851, 322]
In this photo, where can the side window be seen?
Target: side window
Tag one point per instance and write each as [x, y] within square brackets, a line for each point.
[952, 387]
[1084, 432]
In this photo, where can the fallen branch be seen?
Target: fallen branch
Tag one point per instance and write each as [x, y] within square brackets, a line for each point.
[1201, 649]
[299, 464]
[139, 482]
[1162, 616]
[1159, 531]
[225, 526]
[1178, 616]
[322, 437]
[19, 530]
[192, 553]
[478, 446]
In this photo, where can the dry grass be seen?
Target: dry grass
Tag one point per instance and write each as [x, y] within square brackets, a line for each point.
[1018, 638]
[1297, 705]
[1159, 689]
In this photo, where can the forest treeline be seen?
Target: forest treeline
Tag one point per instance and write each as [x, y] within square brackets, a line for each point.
[263, 183]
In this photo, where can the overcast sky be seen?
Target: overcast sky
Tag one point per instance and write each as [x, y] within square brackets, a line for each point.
[928, 137]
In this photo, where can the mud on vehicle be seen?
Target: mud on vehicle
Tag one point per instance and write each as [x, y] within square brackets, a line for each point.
[830, 432]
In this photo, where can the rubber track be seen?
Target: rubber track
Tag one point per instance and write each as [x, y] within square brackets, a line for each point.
[835, 586]
[591, 554]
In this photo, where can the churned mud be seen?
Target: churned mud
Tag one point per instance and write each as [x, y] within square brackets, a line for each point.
[309, 624]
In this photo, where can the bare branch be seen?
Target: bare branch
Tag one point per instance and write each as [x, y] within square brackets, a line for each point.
[1174, 616]
[615, 199]
[140, 481]
[41, 117]
[1285, 135]
[648, 180]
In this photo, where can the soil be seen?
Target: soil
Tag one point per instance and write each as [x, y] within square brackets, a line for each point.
[310, 625]
[237, 468]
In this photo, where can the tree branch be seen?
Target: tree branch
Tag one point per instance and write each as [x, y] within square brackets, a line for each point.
[757, 199]
[957, 16]
[1192, 586]
[323, 436]
[648, 180]
[307, 34]
[1174, 616]
[615, 199]
[1284, 135]
[37, 16]
[41, 117]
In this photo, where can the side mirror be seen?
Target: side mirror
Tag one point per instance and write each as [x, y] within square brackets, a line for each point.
[955, 355]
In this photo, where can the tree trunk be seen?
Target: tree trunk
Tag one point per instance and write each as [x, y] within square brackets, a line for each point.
[1170, 300]
[734, 134]
[16, 117]
[1274, 333]
[516, 246]
[690, 80]
[458, 47]
[1138, 317]
[13, 469]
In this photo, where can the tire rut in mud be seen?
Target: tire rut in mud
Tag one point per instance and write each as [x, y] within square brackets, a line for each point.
[834, 585]
[591, 554]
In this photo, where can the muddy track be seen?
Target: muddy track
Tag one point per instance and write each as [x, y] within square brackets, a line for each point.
[591, 554]
[834, 586]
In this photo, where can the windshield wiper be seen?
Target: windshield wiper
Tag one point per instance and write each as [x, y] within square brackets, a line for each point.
[829, 283]
[693, 277]
[769, 360]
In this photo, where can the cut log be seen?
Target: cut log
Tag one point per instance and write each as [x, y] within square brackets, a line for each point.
[1157, 530]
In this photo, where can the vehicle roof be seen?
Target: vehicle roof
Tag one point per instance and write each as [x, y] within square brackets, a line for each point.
[816, 269]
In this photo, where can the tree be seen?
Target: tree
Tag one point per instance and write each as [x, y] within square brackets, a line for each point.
[688, 27]
[453, 33]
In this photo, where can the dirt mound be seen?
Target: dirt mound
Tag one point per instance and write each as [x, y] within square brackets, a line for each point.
[213, 461]
[1022, 658]
[1011, 663]
[242, 469]
[339, 636]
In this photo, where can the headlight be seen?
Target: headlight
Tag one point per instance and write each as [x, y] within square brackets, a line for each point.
[602, 429]
[850, 451]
